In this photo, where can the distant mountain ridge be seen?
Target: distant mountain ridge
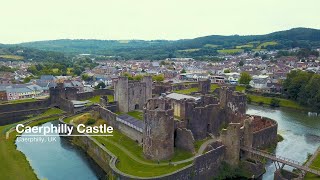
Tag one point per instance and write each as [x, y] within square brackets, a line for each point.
[201, 47]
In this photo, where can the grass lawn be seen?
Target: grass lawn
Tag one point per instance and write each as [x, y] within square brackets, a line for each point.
[197, 144]
[211, 45]
[189, 50]
[55, 70]
[68, 119]
[128, 165]
[19, 101]
[245, 46]
[69, 70]
[240, 88]
[11, 57]
[315, 163]
[213, 87]
[283, 102]
[130, 154]
[136, 114]
[265, 44]
[52, 111]
[96, 99]
[187, 91]
[13, 163]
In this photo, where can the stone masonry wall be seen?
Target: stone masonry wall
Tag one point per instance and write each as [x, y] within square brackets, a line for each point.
[98, 92]
[266, 136]
[24, 106]
[111, 119]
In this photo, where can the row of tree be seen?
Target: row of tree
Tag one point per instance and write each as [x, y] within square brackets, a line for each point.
[303, 87]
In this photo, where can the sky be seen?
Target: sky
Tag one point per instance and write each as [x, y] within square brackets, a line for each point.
[33, 20]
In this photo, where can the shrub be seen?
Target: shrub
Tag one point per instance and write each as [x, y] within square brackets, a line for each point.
[275, 102]
[91, 121]
[249, 100]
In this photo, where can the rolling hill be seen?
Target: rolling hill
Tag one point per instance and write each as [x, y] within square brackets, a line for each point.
[199, 48]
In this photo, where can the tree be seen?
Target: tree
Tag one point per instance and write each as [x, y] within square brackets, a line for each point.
[183, 71]
[275, 102]
[263, 57]
[138, 77]
[101, 85]
[241, 63]
[294, 84]
[245, 78]
[163, 63]
[158, 78]
[27, 79]
[226, 71]
[86, 77]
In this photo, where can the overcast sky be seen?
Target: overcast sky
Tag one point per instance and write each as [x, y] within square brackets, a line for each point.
[31, 20]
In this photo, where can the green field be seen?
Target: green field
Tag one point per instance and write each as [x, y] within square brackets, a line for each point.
[189, 50]
[187, 91]
[130, 153]
[198, 143]
[136, 114]
[96, 99]
[265, 44]
[229, 51]
[131, 157]
[69, 71]
[19, 101]
[315, 163]
[240, 88]
[213, 87]
[11, 57]
[211, 45]
[283, 102]
[245, 46]
[13, 163]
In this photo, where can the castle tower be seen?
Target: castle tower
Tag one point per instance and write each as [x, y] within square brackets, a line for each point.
[121, 93]
[158, 135]
[148, 81]
[204, 86]
[231, 139]
[247, 135]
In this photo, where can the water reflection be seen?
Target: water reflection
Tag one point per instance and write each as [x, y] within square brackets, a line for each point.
[301, 134]
[59, 159]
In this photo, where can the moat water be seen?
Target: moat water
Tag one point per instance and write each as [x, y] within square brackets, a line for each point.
[58, 159]
[301, 134]
[61, 160]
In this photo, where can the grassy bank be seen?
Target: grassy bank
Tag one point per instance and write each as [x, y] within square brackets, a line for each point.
[315, 163]
[187, 91]
[131, 160]
[267, 101]
[13, 163]
[19, 101]
[130, 154]
[96, 99]
[136, 114]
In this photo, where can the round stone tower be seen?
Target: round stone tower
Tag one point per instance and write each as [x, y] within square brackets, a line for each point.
[158, 135]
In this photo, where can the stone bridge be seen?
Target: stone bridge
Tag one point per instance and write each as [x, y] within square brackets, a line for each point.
[283, 160]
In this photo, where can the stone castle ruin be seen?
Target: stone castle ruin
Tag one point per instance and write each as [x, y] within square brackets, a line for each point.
[132, 95]
[177, 121]
[221, 114]
[158, 135]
